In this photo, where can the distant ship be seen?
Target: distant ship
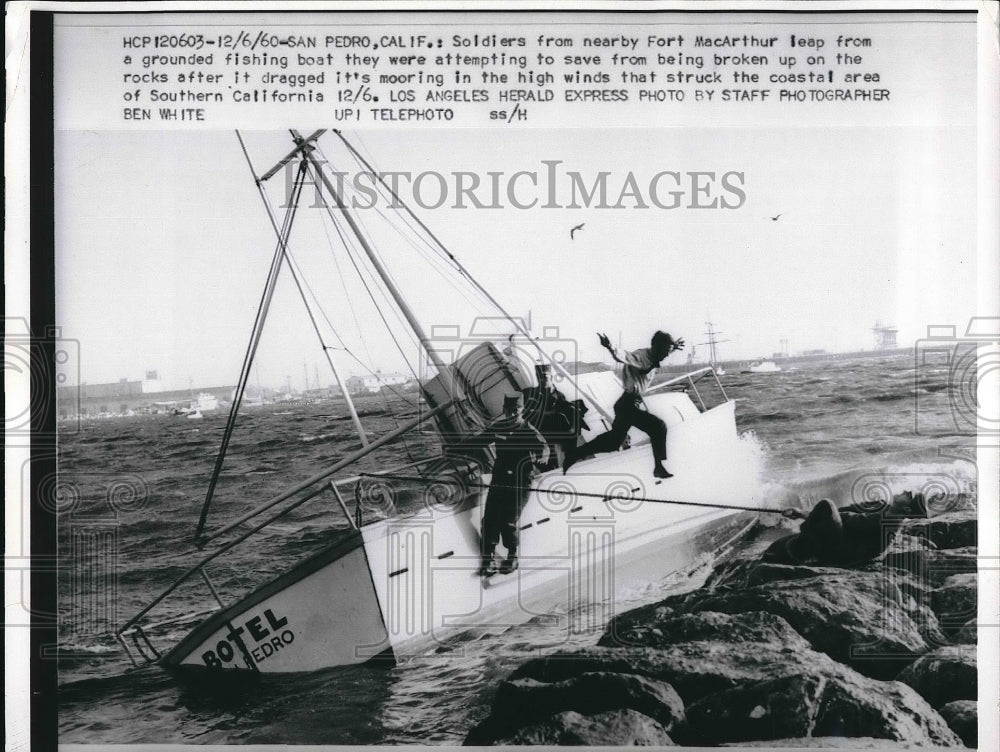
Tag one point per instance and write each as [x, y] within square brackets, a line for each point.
[763, 366]
[204, 402]
[713, 339]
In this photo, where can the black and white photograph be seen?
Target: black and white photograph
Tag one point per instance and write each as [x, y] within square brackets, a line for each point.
[591, 376]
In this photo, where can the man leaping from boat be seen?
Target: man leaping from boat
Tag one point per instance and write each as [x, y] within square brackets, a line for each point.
[637, 372]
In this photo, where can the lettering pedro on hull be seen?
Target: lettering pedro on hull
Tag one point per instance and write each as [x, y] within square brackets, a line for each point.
[266, 640]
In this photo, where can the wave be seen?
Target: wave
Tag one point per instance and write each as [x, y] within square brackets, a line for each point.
[934, 388]
[843, 399]
[776, 415]
[331, 437]
[264, 443]
[890, 396]
[952, 479]
[364, 414]
[67, 649]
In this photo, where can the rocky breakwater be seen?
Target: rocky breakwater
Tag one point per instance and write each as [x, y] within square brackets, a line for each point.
[785, 655]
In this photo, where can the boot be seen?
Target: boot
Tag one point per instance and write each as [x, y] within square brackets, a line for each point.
[659, 471]
[487, 567]
[509, 564]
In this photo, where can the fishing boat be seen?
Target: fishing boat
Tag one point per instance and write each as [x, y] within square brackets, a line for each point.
[400, 581]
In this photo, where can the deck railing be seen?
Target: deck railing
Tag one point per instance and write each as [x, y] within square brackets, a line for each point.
[689, 381]
[133, 630]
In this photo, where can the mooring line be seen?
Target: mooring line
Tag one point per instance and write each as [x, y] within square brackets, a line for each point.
[586, 494]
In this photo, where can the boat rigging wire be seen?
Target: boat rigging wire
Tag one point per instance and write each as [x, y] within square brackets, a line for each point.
[322, 475]
[438, 247]
[385, 398]
[339, 465]
[351, 251]
[584, 494]
[519, 326]
[347, 297]
[435, 258]
[300, 279]
[445, 374]
[258, 328]
[357, 325]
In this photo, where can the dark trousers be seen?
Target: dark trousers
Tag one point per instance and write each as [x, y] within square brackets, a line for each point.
[504, 502]
[628, 414]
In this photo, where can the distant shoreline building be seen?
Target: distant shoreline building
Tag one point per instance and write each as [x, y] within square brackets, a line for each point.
[885, 336]
[126, 396]
[115, 389]
[374, 383]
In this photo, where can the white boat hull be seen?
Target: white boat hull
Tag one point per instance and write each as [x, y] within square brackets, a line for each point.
[406, 584]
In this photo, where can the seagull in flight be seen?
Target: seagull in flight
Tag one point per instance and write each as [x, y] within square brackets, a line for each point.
[775, 218]
[573, 231]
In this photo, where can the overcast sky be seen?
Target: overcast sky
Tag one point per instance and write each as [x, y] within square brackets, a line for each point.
[163, 244]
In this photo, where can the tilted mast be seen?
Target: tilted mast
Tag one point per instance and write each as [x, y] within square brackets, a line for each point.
[411, 319]
[518, 325]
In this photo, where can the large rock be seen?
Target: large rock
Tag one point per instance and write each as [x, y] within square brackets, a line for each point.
[949, 673]
[932, 567]
[863, 619]
[624, 728]
[968, 634]
[802, 706]
[949, 530]
[963, 718]
[661, 627]
[694, 667]
[524, 701]
[701, 670]
[955, 601]
[737, 574]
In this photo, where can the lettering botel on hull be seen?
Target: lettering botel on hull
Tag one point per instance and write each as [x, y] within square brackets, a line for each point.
[252, 641]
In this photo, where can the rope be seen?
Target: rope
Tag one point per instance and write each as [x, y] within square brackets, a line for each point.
[585, 494]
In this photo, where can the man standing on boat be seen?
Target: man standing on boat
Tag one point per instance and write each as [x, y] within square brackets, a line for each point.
[637, 372]
[556, 418]
[519, 448]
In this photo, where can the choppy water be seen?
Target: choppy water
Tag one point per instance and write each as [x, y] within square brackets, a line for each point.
[131, 489]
